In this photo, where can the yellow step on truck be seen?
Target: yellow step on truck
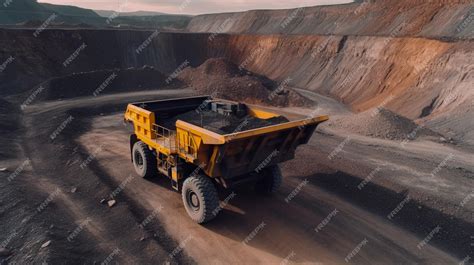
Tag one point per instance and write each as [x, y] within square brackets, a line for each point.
[201, 143]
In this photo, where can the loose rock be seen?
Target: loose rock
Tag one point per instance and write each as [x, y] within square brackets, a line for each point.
[223, 79]
[111, 203]
[46, 244]
[221, 124]
[5, 252]
[382, 123]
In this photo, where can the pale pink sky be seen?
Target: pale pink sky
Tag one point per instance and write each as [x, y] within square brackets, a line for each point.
[190, 6]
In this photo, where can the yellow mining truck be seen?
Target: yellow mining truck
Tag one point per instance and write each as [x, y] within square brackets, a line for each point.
[200, 143]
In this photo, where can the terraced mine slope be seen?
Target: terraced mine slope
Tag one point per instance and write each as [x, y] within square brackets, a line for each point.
[417, 78]
[433, 19]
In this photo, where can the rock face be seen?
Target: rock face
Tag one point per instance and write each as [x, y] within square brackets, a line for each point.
[101, 82]
[429, 79]
[415, 77]
[37, 59]
[412, 76]
[434, 19]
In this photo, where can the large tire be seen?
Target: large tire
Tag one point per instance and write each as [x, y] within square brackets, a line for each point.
[271, 180]
[144, 160]
[200, 199]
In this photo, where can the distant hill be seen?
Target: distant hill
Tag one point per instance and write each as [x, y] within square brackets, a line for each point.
[22, 10]
[71, 10]
[108, 13]
[30, 13]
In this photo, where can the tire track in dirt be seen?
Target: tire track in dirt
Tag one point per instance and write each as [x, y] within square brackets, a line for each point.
[58, 163]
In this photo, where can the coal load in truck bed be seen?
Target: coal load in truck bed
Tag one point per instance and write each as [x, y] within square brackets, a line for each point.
[223, 124]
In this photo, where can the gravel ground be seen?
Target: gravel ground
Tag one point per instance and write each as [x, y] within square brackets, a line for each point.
[328, 185]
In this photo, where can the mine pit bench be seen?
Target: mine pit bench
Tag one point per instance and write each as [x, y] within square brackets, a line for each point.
[197, 159]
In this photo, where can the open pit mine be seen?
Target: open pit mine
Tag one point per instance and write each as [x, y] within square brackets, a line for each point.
[320, 135]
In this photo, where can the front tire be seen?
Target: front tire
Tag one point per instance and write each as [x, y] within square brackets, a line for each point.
[271, 180]
[144, 160]
[200, 199]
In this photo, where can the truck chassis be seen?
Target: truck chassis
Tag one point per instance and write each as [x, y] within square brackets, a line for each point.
[198, 160]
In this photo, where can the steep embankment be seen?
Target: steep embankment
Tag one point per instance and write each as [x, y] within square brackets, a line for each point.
[413, 56]
[434, 19]
[101, 82]
[414, 77]
[56, 53]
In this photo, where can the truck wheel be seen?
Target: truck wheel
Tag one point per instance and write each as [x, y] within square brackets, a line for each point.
[144, 160]
[271, 181]
[200, 199]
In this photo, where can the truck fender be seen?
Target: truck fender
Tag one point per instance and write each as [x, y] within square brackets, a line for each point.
[133, 140]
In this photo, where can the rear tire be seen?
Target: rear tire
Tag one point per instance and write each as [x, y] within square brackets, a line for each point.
[144, 160]
[271, 180]
[200, 199]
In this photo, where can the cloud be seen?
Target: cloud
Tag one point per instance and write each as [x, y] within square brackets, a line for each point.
[192, 6]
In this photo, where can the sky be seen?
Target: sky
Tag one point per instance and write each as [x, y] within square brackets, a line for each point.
[191, 6]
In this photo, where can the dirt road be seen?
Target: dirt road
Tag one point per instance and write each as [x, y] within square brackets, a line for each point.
[51, 209]
[314, 219]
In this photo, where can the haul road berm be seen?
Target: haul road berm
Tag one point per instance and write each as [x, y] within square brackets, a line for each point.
[201, 142]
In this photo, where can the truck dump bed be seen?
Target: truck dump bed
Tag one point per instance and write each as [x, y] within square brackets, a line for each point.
[225, 139]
